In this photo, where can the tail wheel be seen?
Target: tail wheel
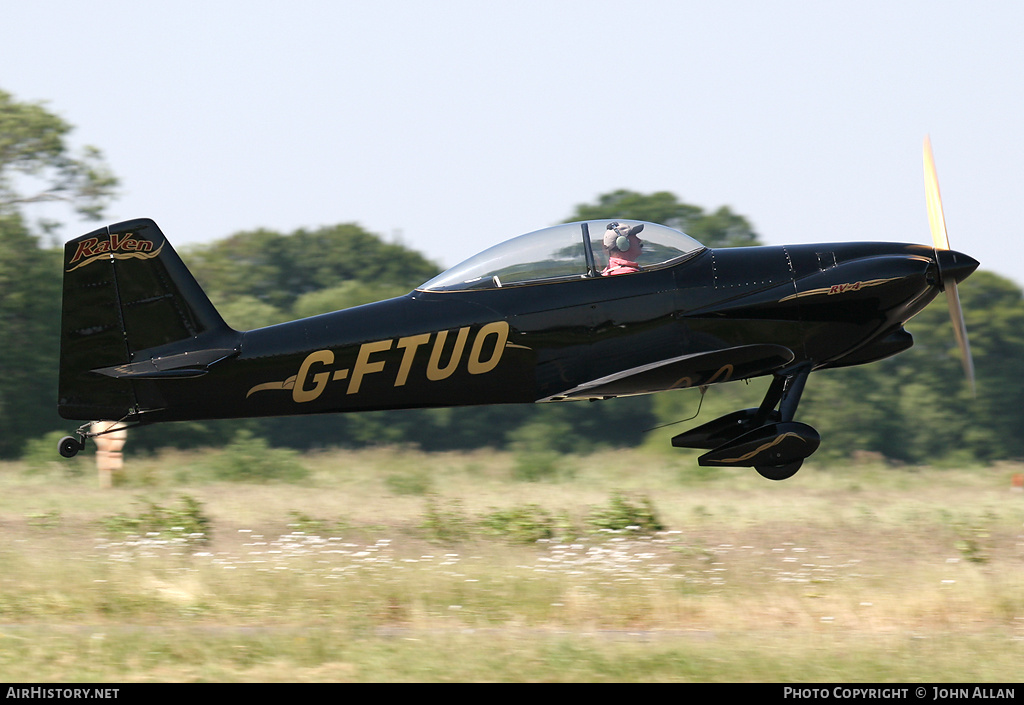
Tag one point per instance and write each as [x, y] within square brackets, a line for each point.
[69, 446]
[779, 472]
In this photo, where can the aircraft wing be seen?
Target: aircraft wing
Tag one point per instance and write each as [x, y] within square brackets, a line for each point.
[693, 370]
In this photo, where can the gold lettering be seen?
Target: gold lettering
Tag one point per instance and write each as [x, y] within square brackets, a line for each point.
[477, 366]
[299, 393]
[411, 344]
[363, 365]
[434, 371]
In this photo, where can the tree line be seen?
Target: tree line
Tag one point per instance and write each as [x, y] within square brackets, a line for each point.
[911, 408]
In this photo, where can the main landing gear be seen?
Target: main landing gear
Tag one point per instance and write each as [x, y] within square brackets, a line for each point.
[766, 438]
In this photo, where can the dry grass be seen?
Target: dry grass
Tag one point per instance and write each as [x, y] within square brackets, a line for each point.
[861, 573]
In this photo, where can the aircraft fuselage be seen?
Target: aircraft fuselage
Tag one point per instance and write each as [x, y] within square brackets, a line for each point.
[512, 345]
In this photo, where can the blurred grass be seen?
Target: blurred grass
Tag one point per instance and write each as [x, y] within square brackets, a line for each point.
[396, 565]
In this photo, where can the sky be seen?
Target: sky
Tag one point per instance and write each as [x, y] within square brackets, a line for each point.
[452, 125]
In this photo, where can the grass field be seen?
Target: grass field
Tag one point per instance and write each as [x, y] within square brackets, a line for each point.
[395, 565]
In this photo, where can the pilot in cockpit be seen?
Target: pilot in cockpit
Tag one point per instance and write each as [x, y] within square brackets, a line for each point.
[622, 246]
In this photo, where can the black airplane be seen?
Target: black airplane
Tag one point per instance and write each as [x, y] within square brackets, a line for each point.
[587, 310]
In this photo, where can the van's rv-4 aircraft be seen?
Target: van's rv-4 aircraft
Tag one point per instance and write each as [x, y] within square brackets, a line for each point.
[587, 310]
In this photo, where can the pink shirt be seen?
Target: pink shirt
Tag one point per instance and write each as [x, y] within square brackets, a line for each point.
[618, 265]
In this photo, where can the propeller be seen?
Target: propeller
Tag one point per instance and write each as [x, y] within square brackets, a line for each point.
[949, 266]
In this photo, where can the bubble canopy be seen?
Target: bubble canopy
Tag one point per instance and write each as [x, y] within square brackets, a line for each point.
[561, 253]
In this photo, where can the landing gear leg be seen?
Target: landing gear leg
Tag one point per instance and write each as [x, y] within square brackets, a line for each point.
[785, 391]
[792, 391]
[766, 438]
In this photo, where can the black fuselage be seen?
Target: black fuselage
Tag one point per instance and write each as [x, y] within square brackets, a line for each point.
[831, 304]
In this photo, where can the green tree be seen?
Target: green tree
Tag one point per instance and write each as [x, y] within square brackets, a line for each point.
[279, 269]
[915, 407]
[36, 165]
[723, 228]
[994, 309]
[346, 295]
[36, 162]
[30, 340]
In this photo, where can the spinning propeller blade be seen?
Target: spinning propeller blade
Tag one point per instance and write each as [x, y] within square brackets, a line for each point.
[937, 222]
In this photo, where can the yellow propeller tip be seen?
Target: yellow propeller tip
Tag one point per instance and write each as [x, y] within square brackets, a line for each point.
[936, 220]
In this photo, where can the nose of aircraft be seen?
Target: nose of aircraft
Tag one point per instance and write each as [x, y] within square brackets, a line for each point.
[954, 266]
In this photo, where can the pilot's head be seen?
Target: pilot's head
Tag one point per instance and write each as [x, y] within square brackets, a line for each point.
[622, 238]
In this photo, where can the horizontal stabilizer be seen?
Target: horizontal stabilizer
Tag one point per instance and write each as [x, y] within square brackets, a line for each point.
[183, 365]
[693, 370]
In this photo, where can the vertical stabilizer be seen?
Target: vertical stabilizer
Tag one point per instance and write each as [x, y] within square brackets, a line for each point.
[127, 298]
